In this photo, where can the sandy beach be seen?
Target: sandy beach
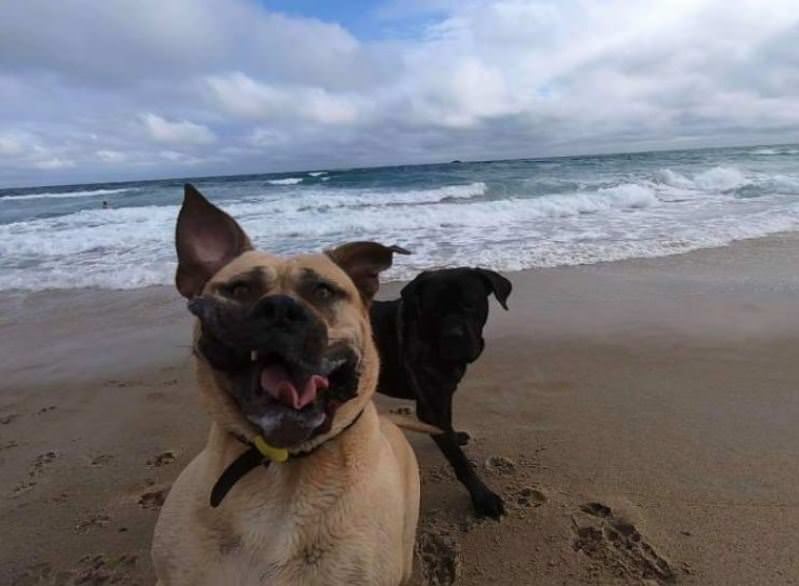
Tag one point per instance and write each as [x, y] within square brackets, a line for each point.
[639, 418]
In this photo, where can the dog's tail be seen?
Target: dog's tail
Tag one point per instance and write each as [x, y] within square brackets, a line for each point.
[411, 423]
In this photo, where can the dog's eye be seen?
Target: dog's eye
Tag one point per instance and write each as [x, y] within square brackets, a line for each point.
[239, 290]
[323, 292]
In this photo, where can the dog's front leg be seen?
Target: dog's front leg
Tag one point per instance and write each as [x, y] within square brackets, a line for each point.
[486, 502]
[441, 411]
[462, 438]
[436, 409]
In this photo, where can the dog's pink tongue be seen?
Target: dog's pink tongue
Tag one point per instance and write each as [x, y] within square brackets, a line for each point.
[276, 381]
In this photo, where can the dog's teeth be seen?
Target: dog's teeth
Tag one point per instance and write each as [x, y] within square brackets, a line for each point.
[254, 355]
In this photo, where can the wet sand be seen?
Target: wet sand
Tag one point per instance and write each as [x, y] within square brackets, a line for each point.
[640, 419]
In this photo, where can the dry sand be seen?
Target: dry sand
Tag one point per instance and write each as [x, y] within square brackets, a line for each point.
[640, 419]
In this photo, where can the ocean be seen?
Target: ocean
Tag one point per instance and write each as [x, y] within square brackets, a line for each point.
[505, 215]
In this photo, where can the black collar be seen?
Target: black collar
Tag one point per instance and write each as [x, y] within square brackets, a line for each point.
[250, 459]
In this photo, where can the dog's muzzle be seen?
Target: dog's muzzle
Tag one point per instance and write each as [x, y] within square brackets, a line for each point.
[460, 344]
[286, 378]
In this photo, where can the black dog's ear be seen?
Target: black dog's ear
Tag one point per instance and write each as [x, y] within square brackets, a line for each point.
[501, 286]
[363, 262]
[206, 239]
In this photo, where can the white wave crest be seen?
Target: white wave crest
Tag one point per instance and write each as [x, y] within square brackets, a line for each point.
[68, 194]
[720, 179]
[785, 183]
[673, 179]
[625, 196]
[286, 181]
[475, 189]
[448, 225]
[317, 173]
[326, 200]
[715, 179]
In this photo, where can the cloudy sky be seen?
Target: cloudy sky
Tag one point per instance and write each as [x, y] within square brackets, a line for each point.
[125, 89]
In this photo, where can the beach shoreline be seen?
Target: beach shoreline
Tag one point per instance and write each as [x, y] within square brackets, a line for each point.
[644, 397]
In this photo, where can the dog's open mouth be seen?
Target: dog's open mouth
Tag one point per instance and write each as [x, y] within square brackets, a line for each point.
[291, 401]
[287, 379]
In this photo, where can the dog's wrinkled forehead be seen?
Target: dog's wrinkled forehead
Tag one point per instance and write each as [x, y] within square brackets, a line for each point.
[451, 286]
[213, 251]
[462, 285]
[311, 277]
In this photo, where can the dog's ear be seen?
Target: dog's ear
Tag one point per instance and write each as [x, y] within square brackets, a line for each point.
[206, 239]
[363, 262]
[498, 284]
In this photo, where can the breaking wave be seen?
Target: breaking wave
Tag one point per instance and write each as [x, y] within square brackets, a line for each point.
[286, 181]
[64, 194]
[509, 215]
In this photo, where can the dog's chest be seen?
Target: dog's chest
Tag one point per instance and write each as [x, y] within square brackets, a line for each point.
[334, 546]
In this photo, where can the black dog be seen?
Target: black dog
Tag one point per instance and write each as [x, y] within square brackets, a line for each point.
[426, 339]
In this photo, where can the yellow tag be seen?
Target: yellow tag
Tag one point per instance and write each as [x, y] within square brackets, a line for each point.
[278, 455]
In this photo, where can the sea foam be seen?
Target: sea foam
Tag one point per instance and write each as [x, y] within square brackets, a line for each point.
[286, 181]
[720, 178]
[508, 215]
[63, 195]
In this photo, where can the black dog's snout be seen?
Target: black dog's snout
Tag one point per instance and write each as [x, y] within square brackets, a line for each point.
[454, 332]
[281, 312]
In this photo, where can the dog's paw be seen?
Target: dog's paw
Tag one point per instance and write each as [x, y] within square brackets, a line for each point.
[462, 438]
[489, 504]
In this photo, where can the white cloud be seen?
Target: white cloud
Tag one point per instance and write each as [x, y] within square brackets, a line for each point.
[182, 132]
[120, 42]
[110, 156]
[460, 96]
[180, 158]
[25, 150]
[480, 79]
[262, 137]
[172, 156]
[321, 106]
[242, 96]
[10, 145]
[54, 163]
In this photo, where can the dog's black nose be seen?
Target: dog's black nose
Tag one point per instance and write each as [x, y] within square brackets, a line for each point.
[281, 311]
[454, 333]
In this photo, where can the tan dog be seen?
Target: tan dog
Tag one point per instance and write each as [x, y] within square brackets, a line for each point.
[286, 364]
